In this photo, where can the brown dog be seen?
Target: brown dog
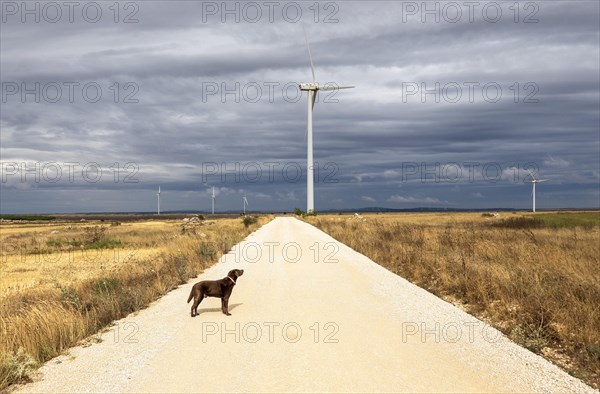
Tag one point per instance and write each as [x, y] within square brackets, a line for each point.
[214, 288]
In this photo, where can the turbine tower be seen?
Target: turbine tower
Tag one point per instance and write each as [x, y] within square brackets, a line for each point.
[312, 89]
[158, 197]
[534, 181]
[213, 200]
[245, 201]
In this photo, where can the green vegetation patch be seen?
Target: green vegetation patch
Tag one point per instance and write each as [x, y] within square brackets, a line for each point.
[576, 219]
[27, 217]
[106, 285]
[17, 367]
[104, 243]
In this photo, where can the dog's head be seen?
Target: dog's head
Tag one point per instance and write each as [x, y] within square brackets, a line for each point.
[234, 274]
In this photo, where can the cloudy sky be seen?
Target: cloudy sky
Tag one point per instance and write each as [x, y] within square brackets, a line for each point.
[454, 103]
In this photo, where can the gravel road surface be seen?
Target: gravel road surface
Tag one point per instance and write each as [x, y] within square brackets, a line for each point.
[308, 315]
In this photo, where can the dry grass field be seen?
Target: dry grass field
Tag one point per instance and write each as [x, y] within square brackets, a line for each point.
[61, 281]
[536, 277]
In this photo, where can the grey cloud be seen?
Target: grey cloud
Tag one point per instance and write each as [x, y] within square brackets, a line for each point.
[369, 134]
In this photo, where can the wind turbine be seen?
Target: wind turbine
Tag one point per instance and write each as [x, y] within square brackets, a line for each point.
[213, 200]
[245, 201]
[534, 181]
[312, 89]
[158, 196]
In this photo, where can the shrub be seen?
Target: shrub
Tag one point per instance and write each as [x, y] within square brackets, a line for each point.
[207, 249]
[69, 296]
[18, 367]
[106, 286]
[299, 212]
[93, 234]
[249, 220]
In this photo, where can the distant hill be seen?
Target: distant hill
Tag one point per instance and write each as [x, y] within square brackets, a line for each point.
[179, 214]
[422, 209]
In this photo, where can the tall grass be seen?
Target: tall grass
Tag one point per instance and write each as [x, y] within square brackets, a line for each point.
[38, 324]
[540, 285]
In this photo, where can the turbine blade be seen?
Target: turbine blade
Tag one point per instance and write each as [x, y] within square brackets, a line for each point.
[314, 98]
[312, 67]
[335, 87]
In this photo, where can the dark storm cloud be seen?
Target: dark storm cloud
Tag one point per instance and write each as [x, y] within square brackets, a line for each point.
[381, 144]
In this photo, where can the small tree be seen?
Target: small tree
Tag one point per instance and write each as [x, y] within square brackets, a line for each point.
[249, 220]
[298, 212]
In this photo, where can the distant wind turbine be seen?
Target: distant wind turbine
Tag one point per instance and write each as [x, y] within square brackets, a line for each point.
[312, 89]
[534, 181]
[245, 201]
[158, 196]
[213, 200]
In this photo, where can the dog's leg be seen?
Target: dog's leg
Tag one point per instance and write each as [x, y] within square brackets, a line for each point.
[193, 308]
[225, 306]
[197, 301]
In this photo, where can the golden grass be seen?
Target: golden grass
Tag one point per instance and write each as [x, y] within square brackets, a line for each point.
[57, 290]
[32, 255]
[540, 286]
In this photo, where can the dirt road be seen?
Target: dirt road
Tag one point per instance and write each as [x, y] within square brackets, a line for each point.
[309, 314]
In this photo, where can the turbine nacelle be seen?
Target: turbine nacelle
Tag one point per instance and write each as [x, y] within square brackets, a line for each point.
[309, 86]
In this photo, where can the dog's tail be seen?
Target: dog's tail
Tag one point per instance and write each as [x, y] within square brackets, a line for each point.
[191, 296]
